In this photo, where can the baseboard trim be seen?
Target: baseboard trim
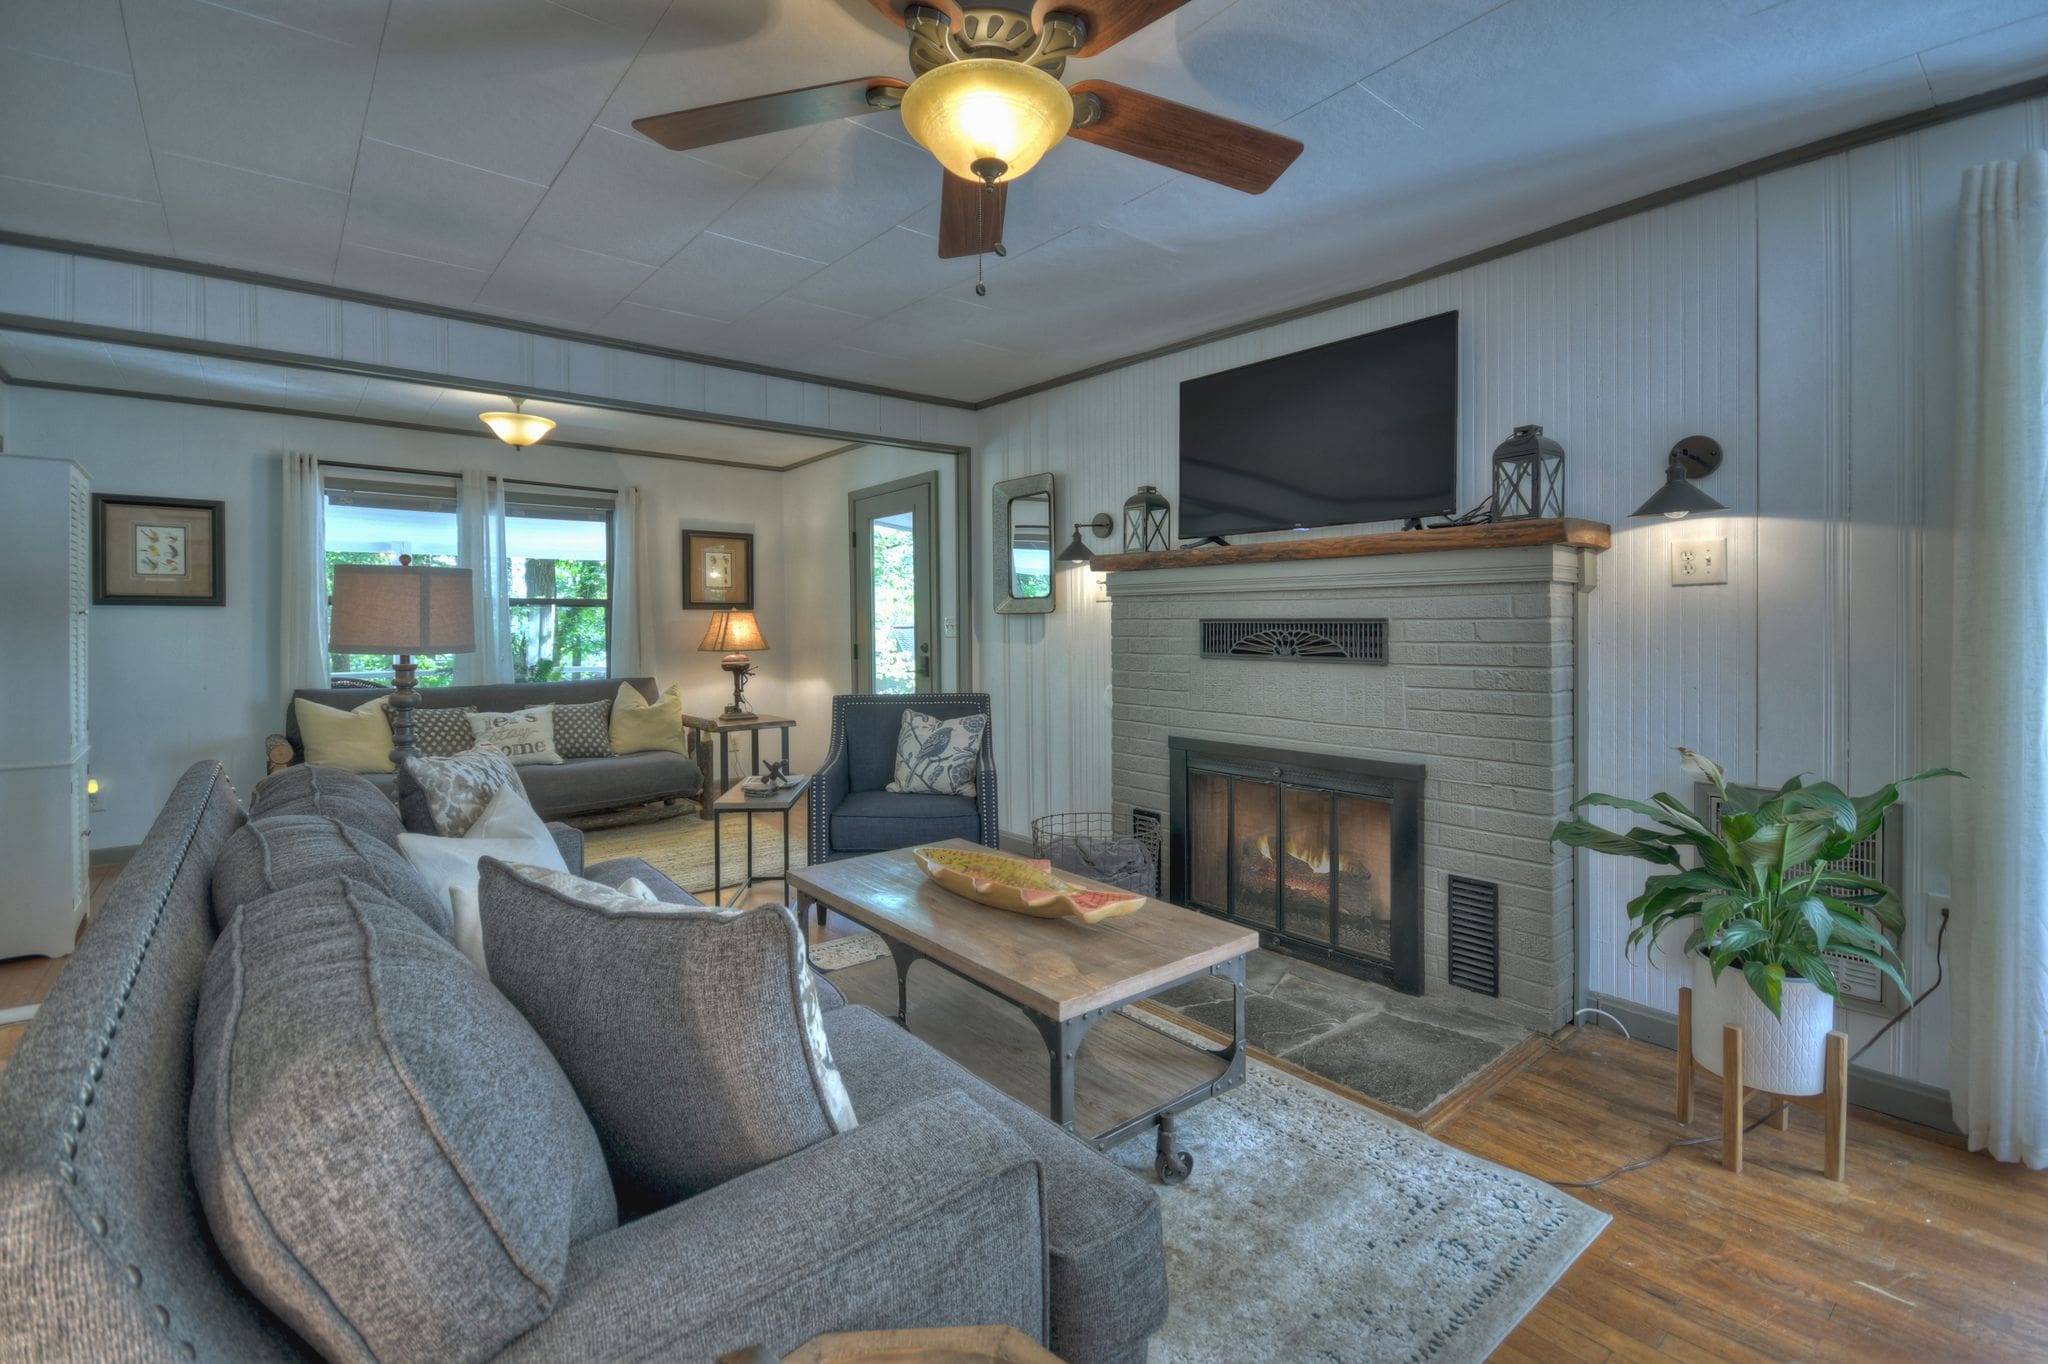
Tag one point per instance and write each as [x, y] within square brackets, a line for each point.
[1015, 843]
[21, 1013]
[1892, 1095]
[123, 854]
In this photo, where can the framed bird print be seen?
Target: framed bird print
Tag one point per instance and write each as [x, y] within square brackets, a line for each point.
[158, 551]
[718, 570]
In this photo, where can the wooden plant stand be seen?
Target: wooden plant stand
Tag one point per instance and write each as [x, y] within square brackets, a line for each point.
[1832, 1103]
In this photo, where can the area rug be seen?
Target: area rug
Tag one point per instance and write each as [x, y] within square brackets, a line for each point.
[680, 847]
[1316, 1229]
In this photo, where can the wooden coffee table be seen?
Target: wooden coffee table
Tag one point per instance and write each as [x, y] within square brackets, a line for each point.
[1065, 975]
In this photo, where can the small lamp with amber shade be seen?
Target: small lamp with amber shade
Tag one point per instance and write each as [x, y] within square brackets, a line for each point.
[733, 633]
[404, 609]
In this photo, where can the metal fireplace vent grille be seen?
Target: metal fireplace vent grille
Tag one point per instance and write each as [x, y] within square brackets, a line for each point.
[1319, 641]
[1475, 935]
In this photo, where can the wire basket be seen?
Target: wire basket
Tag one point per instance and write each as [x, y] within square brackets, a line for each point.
[1114, 849]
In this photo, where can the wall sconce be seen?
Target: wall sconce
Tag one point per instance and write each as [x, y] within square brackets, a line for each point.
[1078, 553]
[1693, 457]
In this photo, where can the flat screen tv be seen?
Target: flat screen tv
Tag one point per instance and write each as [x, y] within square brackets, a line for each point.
[1364, 429]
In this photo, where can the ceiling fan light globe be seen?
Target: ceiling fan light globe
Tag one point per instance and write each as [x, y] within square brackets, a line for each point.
[987, 109]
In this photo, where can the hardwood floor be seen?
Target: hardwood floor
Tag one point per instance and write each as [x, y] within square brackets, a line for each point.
[1925, 1251]
[26, 980]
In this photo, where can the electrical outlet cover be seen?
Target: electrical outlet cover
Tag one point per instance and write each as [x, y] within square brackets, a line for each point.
[1695, 563]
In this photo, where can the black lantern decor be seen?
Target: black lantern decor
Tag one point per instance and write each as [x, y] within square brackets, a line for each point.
[1148, 523]
[1528, 476]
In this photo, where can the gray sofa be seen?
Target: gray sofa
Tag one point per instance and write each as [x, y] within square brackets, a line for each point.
[579, 786]
[948, 1204]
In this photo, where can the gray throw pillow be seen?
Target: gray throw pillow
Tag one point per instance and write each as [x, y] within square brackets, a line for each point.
[386, 1153]
[938, 757]
[445, 796]
[265, 856]
[344, 797]
[693, 1035]
[442, 731]
[584, 730]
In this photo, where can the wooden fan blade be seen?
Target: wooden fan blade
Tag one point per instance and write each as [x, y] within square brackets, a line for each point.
[892, 10]
[715, 123]
[1109, 21]
[970, 217]
[1186, 139]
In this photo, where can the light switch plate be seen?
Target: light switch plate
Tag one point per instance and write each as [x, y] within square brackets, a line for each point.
[1696, 563]
[950, 627]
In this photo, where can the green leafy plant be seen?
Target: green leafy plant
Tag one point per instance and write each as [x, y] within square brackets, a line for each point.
[1765, 894]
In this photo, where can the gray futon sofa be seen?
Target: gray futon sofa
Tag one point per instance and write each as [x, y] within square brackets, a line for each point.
[948, 1204]
[579, 786]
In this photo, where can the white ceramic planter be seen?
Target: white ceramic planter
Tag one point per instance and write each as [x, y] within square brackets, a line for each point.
[1781, 1055]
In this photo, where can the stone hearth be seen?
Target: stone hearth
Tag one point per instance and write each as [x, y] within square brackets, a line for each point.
[1477, 687]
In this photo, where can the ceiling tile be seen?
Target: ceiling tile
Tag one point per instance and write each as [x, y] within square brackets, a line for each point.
[397, 275]
[2004, 55]
[786, 325]
[421, 205]
[41, 210]
[507, 85]
[877, 277]
[255, 222]
[77, 126]
[88, 32]
[716, 276]
[625, 196]
[665, 327]
[548, 280]
[247, 90]
[1077, 184]
[844, 187]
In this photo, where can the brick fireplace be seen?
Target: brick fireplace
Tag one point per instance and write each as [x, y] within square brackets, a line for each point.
[1276, 712]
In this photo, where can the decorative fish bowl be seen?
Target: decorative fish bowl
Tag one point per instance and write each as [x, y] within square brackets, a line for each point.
[1022, 885]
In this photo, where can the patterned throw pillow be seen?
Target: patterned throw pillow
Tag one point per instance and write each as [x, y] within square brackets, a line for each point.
[938, 757]
[443, 731]
[446, 795]
[584, 730]
[526, 736]
[732, 1068]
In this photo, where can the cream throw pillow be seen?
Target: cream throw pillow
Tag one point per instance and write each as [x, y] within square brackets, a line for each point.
[356, 740]
[509, 830]
[527, 736]
[638, 727]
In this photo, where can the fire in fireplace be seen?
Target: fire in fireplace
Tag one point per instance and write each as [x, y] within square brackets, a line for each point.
[1320, 853]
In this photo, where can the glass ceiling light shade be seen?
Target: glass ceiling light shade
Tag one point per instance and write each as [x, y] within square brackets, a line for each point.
[1679, 497]
[517, 427]
[987, 119]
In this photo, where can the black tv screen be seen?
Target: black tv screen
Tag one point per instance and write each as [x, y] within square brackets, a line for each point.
[1364, 429]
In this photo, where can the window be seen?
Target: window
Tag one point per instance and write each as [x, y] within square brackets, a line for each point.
[559, 583]
[374, 518]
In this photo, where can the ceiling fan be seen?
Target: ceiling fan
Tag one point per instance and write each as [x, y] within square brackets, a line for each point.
[986, 100]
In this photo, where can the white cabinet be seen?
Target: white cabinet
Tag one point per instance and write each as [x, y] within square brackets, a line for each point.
[45, 593]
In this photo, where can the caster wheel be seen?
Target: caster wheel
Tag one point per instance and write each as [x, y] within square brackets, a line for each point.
[1174, 1168]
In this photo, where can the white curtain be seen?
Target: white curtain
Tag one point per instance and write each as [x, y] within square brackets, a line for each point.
[302, 582]
[1999, 995]
[635, 587]
[480, 546]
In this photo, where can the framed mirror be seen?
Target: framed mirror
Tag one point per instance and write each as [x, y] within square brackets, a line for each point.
[1024, 523]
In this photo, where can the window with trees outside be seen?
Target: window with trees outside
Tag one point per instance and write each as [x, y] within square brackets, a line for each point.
[559, 583]
[373, 518]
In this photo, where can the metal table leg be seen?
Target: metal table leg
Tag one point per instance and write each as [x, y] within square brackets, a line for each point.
[904, 956]
[717, 864]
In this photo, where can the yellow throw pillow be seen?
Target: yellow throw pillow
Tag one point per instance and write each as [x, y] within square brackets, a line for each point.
[356, 740]
[640, 728]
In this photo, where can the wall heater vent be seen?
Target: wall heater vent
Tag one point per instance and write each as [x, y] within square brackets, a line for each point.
[1475, 935]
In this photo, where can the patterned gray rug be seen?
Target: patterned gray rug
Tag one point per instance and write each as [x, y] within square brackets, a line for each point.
[1316, 1231]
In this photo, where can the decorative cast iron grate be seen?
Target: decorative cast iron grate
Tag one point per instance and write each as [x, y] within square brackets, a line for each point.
[1313, 641]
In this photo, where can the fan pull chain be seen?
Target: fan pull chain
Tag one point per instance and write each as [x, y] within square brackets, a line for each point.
[980, 239]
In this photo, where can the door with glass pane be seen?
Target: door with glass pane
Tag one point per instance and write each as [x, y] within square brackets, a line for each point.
[895, 596]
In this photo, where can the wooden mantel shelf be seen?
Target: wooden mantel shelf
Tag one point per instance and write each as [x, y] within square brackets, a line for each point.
[1571, 531]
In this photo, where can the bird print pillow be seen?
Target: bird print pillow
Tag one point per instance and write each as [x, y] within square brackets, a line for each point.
[938, 757]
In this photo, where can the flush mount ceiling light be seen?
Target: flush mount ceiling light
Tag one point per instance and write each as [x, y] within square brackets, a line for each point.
[987, 101]
[517, 427]
[1693, 457]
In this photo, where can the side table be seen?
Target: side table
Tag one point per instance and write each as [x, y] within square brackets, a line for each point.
[736, 801]
[721, 727]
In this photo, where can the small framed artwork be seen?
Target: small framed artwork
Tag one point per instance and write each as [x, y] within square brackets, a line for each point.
[158, 551]
[718, 570]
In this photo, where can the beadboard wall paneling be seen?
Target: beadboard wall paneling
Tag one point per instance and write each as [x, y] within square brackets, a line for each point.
[1802, 319]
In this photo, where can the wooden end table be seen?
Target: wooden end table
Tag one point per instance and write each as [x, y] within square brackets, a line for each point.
[721, 728]
[1065, 975]
[737, 801]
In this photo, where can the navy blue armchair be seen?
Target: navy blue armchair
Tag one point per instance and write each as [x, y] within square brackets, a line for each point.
[852, 814]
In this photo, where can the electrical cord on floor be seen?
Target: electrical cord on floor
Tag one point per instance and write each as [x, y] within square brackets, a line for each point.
[1939, 936]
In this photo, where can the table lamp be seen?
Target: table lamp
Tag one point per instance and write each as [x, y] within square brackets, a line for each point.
[732, 633]
[403, 609]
